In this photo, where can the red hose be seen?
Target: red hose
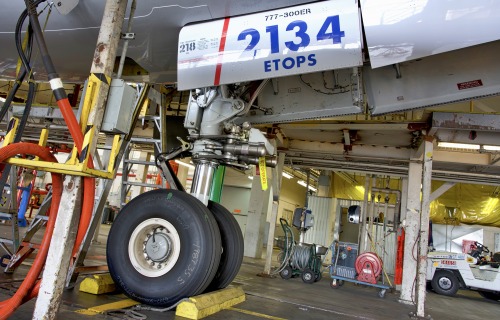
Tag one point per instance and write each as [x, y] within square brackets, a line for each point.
[8, 306]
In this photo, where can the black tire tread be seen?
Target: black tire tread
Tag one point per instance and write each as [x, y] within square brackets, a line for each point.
[232, 247]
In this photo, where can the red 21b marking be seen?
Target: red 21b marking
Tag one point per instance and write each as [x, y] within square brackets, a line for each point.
[329, 30]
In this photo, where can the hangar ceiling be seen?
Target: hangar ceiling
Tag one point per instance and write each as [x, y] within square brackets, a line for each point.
[356, 143]
[385, 144]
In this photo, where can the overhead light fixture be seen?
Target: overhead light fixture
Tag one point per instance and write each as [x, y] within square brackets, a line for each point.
[184, 164]
[304, 184]
[467, 146]
[459, 145]
[287, 175]
[491, 148]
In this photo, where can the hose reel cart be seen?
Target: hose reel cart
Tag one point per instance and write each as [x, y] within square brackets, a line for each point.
[347, 265]
[301, 259]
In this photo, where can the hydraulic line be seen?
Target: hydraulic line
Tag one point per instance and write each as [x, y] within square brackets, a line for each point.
[24, 57]
[12, 93]
[29, 287]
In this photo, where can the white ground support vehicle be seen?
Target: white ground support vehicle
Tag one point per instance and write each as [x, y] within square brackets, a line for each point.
[449, 272]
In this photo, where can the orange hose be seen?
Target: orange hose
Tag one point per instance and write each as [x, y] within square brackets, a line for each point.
[88, 183]
[71, 122]
[30, 286]
[8, 306]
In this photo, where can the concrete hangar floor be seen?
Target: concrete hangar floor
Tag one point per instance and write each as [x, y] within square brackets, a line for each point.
[266, 298]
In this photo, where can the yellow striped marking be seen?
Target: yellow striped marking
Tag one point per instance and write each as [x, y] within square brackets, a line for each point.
[257, 314]
[11, 132]
[263, 172]
[122, 304]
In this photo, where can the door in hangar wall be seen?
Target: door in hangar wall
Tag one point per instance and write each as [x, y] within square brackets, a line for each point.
[349, 232]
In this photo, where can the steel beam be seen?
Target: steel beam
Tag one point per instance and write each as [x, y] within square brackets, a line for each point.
[335, 126]
[467, 137]
[442, 189]
[357, 150]
[465, 121]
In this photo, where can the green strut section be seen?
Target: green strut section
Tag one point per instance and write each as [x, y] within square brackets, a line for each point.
[216, 191]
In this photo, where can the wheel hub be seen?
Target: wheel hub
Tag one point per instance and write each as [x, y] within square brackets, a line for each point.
[445, 283]
[154, 247]
[158, 246]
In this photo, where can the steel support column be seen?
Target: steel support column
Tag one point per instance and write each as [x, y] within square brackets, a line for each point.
[364, 214]
[104, 58]
[424, 226]
[58, 257]
[254, 231]
[411, 225]
[276, 183]
[325, 184]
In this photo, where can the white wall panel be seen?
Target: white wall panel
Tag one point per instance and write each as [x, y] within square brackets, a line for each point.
[449, 237]
[322, 231]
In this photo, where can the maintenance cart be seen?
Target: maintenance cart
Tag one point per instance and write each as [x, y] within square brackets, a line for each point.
[348, 266]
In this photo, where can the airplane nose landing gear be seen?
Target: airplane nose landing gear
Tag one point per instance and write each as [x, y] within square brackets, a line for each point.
[166, 245]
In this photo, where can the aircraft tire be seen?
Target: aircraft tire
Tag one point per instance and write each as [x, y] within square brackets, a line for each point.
[232, 247]
[163, 246]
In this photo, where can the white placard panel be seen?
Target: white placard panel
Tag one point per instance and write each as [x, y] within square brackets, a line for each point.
[308, 38]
